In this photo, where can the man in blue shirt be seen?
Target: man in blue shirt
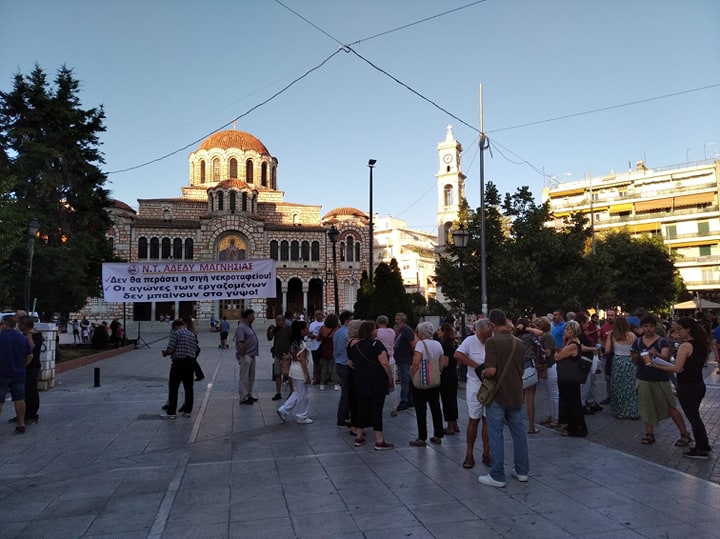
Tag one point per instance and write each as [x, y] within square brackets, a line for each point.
[340, 356]
[558, 327]
[15, 353]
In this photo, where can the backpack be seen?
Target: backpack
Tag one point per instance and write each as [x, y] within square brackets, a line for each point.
[326, 345]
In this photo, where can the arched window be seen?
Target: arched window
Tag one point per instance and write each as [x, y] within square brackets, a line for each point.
[216, 169]
[294, 250]
[244, 202]
[202, 171]
[154, 248]
[263, 174]
[449, 195]
[305, 251]
[315, 251]
[273, 177]
[177, 250]
[249, 171]
[220, 201]
[284, 250]
[165, 248]
[189, 249]
[357, 251]
[274, 249]
[233, 195]
[233, 168]
[211, 198]
[142, 248]
[350, 251]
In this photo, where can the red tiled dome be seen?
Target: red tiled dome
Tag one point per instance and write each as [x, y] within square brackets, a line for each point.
[233, 139]
[239, 184]
[345, 211]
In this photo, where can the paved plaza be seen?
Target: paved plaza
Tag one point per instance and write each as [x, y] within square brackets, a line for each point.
[101, 463]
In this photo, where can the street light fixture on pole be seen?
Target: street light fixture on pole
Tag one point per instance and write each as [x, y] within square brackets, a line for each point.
[371, 241]
[32, 230]
[333, 235]
[461, 238]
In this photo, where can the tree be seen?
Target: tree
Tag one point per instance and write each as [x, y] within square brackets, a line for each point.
[387, 295]
[51, 171]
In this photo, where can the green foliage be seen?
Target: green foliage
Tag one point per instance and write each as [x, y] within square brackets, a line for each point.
[50, 169]
[534, 268]
[386, 296]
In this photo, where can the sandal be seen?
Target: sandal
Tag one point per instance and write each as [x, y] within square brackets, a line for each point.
[469, 463]
[683, 441]
[533, 431]
[648, 439]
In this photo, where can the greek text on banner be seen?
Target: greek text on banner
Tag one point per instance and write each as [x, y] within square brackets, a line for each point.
[188, 281]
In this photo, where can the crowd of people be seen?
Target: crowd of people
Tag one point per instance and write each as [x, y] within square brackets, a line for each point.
[645, 360]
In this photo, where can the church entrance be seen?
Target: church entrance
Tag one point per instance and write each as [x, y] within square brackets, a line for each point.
[232, 308]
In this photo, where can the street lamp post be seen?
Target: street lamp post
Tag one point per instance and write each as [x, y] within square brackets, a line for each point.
[333, 235]
[371, 240]
[32, 229]
[461, 238]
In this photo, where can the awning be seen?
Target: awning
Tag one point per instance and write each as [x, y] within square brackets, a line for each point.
[694, 200]
[656, 204]
[567, 192]
[645, 227]
[619, 208]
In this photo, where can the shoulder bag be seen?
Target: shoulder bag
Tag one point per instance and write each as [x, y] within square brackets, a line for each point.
[574, 370]
[428, 374]
[489, 386]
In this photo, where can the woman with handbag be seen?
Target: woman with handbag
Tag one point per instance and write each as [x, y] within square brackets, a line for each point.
[530, 377]
[373, 379]
[297, 405]
[571, 408]
[428, 362]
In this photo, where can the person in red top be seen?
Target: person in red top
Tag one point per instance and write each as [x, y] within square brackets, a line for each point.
[605, 330]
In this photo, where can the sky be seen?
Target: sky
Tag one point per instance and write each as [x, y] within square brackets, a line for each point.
[170, 72]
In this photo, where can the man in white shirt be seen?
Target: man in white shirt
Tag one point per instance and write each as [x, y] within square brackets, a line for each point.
[314, 344]
[471, 353]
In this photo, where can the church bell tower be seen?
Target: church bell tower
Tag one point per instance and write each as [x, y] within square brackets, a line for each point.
[450, 185]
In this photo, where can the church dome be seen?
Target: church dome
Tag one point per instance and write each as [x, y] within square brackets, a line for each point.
[233, 183]
[345, 212]
[232, 138]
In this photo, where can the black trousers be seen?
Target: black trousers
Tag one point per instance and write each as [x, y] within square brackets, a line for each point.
[32, 397]
[690, 397]
[571, 409]
[423, 398]
[181, 371]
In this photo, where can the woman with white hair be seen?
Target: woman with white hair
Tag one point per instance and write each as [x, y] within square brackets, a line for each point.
[427, 348]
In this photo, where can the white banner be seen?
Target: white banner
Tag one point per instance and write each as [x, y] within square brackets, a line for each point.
[188, 281]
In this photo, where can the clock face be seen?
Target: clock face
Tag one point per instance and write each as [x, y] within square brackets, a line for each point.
[447, 158]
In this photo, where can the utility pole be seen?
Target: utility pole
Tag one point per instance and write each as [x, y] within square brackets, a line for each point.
[483, 263]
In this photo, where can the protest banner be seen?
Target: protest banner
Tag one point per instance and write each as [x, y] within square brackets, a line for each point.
[188, 281]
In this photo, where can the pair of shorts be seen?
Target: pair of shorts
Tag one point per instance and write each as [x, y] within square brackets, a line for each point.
[475, 409]
[276, 368]
[16, 385]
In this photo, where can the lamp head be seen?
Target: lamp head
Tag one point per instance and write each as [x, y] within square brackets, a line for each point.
[371, 162]
[333, 234]
[33, 227]
[461, 237]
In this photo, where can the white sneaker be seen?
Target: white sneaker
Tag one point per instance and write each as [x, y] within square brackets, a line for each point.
[322, 387]
[487, 480]
[337, 387]
[282, 415]
[305, 421]
[521, 478]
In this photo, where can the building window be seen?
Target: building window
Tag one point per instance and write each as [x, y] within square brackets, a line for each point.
[305, 251]
[189, 249]
[244, 202]
[449, 198]
[154, 248]
[671, 231]
[357, 252]
[263, 174]
[315, 251]
[249, 171]
[211, 198]
[233, 168]
[220, 201]
[216, 170]
[294, 250]
[350, 250]
[177, 249]
[703, 227]
[274, 249]
[284, 250]
[232, 201]
[705, 250]
[202, 171]
[142, 248]
[166, 245]
[273, 177]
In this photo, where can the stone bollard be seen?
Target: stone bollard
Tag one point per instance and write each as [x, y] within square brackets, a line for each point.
[47, 355]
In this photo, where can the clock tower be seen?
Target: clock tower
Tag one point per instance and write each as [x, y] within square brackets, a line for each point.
[450, 185]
